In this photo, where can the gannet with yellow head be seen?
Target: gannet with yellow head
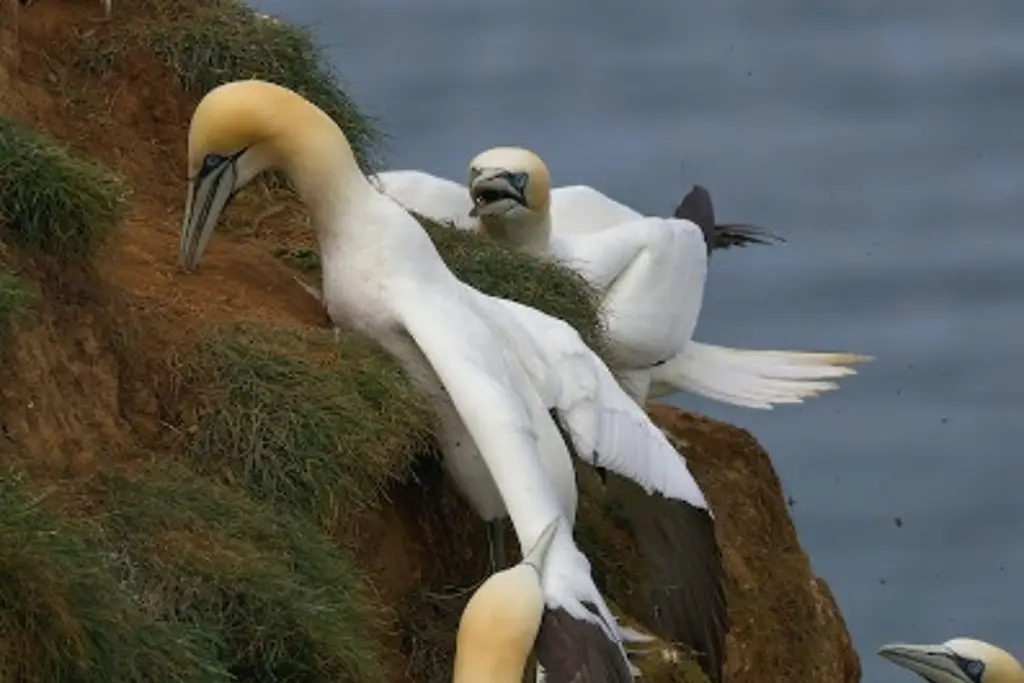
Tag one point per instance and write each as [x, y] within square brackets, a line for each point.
[574, 208]
[502, 623]
[651, 273]
[959, 660]
[507, 381]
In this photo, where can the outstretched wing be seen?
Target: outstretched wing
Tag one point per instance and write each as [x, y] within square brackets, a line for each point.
[671, 520]
[497, 402]
[428, 195]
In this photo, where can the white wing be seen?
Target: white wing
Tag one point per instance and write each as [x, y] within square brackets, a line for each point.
[428, 195]
[651, 273]
[607, 428]
[580, 209]
[461, 338]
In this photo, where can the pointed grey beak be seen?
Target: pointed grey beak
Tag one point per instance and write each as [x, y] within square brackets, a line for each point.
[489, 189]
[535, 558]
[208, 195]
[935, 663]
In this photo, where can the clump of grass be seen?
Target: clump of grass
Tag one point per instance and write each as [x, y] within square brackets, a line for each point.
[223, 40]
[273, 596]
[64, 615]
[499, 271]
[321, 426]
[16, 298]
[51, 201]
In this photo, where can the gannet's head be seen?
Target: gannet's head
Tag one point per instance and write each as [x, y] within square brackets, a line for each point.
[960, 660]
[509, 183]
[238, 130]
[500, 622]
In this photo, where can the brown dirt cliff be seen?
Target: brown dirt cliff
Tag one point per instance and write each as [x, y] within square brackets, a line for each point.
[196, 482]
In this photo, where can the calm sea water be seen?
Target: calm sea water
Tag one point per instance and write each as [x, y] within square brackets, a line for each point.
[885, 140]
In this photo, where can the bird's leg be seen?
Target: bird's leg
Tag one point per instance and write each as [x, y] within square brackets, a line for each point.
[496, 544]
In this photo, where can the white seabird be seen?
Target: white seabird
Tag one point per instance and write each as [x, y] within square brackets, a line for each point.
[494, 368]
[959, 660]
[575, 209]
[650, 273]
[506, 619]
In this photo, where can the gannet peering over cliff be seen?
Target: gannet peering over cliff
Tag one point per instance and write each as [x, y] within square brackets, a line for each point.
[574, 209]
[960, 660]
[506, 380]
[650, 273]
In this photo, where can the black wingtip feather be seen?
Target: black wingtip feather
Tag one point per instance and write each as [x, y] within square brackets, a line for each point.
[682, 573]
[574, 651]
[698, 208]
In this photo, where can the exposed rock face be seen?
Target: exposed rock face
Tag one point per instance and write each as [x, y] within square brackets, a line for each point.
[786, 625]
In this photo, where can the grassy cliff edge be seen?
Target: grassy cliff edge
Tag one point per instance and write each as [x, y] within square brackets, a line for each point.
[199, 483]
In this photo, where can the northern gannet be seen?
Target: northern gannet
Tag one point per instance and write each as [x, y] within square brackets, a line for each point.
[651, 274]
[959, 660]
[106, 5]
[574, 208]
[506, 619]
[501, 374]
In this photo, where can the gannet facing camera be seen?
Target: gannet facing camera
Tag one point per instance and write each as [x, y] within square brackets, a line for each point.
[507, 381]
[959, 660]
[650, 274]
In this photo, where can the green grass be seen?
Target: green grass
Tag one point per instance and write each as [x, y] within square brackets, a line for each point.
[64, 615]
[499, 271]
[266, 594]
[306, 422]
[211, 42]
[51, 201]
[16, 298]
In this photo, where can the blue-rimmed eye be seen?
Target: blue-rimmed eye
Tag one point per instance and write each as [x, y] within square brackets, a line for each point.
[212, 161]
[519, 180]
[972, 667]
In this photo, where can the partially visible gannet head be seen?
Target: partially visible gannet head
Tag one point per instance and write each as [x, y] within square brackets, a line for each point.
[511, 192]
[960, 660]
[500, 622]
[239, 130]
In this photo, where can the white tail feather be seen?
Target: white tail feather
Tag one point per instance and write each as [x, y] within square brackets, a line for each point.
[752, 378]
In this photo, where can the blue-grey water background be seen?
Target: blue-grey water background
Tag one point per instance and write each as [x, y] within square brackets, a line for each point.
[885, 140]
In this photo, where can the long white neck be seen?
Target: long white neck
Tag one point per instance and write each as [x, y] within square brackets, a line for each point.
[530, 234]
[358, 229]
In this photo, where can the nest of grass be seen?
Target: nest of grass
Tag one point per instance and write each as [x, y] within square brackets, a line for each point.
[50, 201]
[299, 419]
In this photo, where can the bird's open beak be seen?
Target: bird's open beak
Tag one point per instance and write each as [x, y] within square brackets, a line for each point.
[535, 558]
[494, 194]
[936, 663]
[208, 196]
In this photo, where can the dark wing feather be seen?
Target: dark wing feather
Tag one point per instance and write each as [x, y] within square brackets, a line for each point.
[683, 577]
[698, 208]
[574, 651]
